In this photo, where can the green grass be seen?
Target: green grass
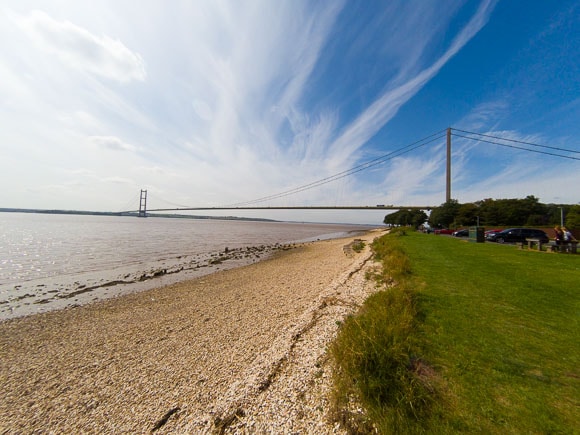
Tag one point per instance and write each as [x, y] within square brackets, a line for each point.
[472, 338]
[358, 245]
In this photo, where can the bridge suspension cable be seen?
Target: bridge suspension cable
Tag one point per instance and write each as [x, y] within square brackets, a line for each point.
[481, 135]
[157, 198]
[361, 167]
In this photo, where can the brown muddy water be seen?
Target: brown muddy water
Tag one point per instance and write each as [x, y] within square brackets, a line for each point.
[51, 262]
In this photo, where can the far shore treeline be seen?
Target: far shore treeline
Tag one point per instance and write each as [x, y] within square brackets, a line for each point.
[490, 213]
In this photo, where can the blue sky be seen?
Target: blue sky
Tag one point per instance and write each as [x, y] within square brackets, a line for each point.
[208, 103]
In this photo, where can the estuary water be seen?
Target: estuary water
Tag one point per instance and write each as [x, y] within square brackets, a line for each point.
[55, 261]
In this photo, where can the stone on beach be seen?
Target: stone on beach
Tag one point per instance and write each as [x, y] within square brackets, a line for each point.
[238, 350]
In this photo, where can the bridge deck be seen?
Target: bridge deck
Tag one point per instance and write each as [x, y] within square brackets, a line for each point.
[346, 207]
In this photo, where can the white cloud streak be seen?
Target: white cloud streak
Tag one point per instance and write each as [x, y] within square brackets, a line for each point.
[82, 50]
[368, 123]
[222, 101]
[112, 143]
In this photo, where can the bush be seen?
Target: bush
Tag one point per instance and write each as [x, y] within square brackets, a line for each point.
[358, 245]
[376, 356]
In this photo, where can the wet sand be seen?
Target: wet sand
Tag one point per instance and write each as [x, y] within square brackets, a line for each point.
[237, 351]
[55, 293]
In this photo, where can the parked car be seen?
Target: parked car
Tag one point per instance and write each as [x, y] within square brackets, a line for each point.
[461, 233]
[518, 235]
[491, 233]
[443, 231]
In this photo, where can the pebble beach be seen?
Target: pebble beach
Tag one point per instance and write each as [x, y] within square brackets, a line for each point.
[238, 351]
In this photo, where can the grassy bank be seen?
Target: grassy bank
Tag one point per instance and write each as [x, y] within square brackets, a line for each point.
[465, 337]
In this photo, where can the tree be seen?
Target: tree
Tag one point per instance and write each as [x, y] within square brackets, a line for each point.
[467, 214]
[412, 217]
[573, 217]
[501, 212]
[537, 212]
[445, 214]
[489, 212]
[528, 211]
[419, 218]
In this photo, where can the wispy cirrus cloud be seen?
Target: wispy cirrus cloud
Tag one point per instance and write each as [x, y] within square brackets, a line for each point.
[80, 49]
[111, 143]
[251, 85]
[484, 115]
[373, 118]
[119, 180]
[238, 100]
[256, 90]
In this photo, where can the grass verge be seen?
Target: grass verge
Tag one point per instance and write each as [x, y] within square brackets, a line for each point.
[464, 337]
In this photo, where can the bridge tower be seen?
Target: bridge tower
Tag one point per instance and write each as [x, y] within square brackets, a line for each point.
[143, 204]
[448, 175]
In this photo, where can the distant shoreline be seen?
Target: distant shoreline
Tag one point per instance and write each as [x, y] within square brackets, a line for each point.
[130, 214]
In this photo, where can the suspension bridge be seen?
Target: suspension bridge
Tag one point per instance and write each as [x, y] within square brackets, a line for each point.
[447, 133]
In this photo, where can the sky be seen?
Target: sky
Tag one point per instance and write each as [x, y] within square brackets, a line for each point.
[207, 103]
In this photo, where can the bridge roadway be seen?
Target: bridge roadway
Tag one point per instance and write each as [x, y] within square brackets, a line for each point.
[314, 207]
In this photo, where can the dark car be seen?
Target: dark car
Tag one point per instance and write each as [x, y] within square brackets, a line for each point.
[461, 233]
[490, 234]
[518, 235]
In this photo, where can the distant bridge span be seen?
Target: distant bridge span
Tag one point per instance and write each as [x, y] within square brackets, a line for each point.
[143, 210]
[313, 207]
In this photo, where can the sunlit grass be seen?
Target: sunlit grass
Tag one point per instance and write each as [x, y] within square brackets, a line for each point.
[471, 338]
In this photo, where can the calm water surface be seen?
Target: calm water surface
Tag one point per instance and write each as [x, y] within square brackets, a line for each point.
[54, 261]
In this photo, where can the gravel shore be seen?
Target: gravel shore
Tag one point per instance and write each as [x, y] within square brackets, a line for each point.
[238, 351]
